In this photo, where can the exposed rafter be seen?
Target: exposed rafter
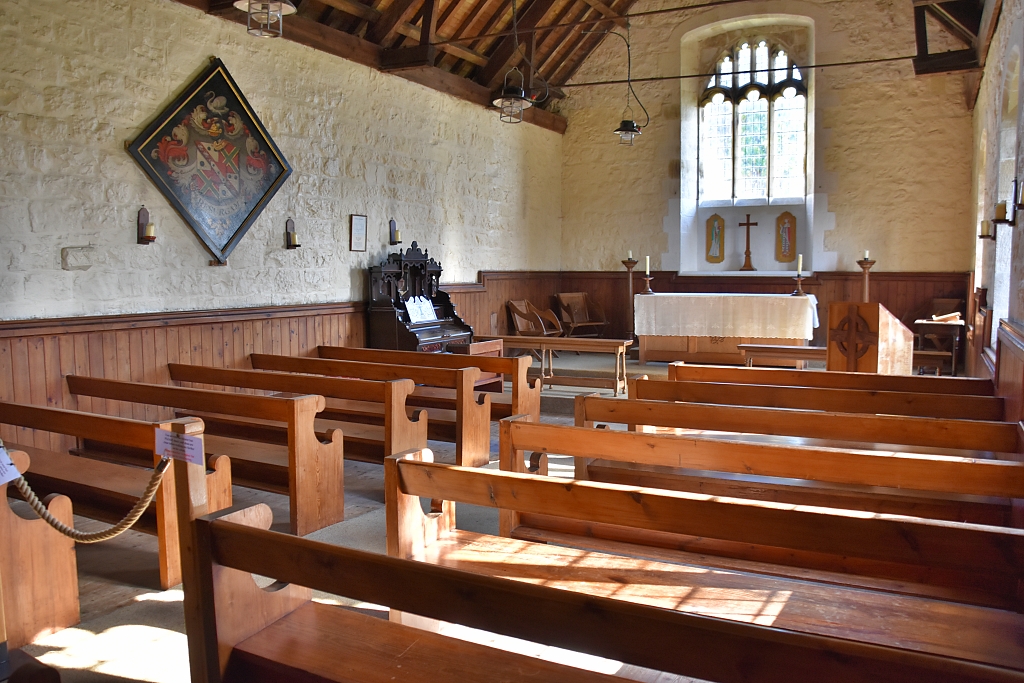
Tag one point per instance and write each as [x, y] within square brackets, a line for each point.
[961, 19]
[499, 59]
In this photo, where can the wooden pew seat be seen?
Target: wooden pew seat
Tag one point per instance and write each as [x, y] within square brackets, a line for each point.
[327, 643]
[674, 581]
[965, 623]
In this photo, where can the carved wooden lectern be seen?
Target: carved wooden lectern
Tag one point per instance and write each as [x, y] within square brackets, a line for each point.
[866, 337]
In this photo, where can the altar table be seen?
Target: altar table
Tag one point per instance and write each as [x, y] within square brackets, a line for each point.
[707, 328]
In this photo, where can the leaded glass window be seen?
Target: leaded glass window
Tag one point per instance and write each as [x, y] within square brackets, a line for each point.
[753, 127]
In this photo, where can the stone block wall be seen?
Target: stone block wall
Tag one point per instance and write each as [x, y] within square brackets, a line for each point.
[79, 77]
[890, 153]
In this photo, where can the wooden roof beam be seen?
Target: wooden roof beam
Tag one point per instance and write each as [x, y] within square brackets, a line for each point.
[499, 58]
[955, 27]
[356, 9]
[397, 13]
[607, 11]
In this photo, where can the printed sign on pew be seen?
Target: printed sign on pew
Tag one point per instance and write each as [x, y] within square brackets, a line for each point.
[179, 447]
[8, 472]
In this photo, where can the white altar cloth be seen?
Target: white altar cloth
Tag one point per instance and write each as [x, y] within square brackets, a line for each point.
[726, 315]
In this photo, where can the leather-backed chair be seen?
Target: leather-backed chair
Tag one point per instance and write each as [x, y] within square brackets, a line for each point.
[581, 315]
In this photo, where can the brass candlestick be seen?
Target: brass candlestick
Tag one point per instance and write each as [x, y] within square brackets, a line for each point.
[630, 264]
[647, 285]
[799, 285]
[865, 265]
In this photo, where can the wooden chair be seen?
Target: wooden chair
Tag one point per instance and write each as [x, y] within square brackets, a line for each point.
[581, 316]
[531, 321]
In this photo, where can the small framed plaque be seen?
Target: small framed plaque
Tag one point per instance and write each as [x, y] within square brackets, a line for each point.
[357, 238]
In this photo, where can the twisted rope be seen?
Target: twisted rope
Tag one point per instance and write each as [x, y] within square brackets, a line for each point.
[96, 536]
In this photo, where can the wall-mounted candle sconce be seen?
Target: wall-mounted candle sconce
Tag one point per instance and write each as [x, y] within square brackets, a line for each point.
[147, 230]
[988, 231]
[394, 234]
[1006, 212]
[291, 241]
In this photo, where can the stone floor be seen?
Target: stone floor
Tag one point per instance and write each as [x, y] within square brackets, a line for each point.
[133, 631]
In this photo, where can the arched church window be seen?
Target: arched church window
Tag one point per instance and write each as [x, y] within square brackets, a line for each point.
[753, 127]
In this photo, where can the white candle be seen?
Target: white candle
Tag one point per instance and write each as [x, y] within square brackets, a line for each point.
[1001, 211]
[629, 255]
[867, 255]
[648, 268]
[799, 263]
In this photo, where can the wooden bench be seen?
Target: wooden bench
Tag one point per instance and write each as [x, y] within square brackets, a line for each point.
[468, 426]
[813, 398]
[918, 619]
[524, 400]
[108, 491]
[369, 443]
[969, 438]
[238, 631]
[831, 380]
[290, 459]
[548, 345]
[939, 487]
[800, 354]
[38, 569]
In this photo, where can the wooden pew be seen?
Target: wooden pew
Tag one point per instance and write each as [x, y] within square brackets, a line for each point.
[469, 427]
[289, 459]
[915, 620]
[107, 491]
[969, 386]
[936, 486]
[38, 569]
[872, 402]
[240, 632]
[925, 434]
[369, 443]
[524, 400]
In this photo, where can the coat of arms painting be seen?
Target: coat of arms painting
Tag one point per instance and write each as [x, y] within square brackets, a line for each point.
[211, 157]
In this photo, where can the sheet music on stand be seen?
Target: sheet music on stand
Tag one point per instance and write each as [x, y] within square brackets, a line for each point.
[420, 309]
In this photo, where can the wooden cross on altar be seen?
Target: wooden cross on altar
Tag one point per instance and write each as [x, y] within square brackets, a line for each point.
[747, 265]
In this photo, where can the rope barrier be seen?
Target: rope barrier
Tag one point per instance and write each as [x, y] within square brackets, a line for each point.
[96, 536]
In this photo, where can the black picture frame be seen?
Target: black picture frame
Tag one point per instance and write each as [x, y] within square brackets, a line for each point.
[212, 159]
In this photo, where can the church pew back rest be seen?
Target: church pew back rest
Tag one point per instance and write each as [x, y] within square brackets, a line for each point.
[829, 399]
[525, 397]
[910, 430]
[836, 380]
[472, 410]
[234, 545]
[316, 470]
[999, 478]
[400, 432]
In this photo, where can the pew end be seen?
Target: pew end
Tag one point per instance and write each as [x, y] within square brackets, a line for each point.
[473, 421]
[410, 530]
[233, 587]
[38, 568]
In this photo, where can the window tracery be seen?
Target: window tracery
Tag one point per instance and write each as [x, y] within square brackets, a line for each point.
[753, 121]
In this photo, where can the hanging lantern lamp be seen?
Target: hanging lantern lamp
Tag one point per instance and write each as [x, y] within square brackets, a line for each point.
[265, 17]
[514, 97]
[512, 100]
[628, 129]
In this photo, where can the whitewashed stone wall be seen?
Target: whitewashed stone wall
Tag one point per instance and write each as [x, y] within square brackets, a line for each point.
[79, 77]
[891, 152]
[991, 171]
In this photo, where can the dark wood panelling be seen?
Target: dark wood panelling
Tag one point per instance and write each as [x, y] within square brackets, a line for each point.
[901, 293]
[1010, 369]
[36, 355]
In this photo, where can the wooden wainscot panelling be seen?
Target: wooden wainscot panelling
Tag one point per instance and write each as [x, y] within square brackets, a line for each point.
[36, 355]
[1010, 369]
[482, 303]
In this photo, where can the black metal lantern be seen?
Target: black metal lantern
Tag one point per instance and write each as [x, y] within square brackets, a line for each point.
[627, 130]
[512, 100]
[265, 17]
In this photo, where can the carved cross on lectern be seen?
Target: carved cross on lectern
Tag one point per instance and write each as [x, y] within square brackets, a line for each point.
[853, 336]
[747, 265]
